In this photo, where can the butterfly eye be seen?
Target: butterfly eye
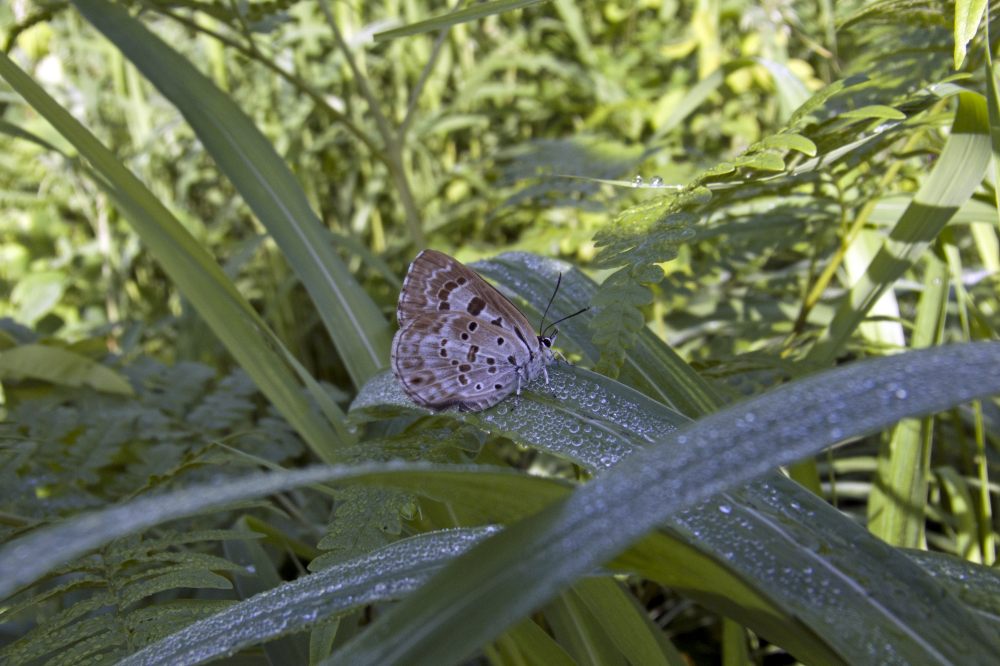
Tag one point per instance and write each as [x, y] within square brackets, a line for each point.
[546, 341]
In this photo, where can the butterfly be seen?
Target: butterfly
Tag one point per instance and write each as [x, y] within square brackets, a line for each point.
[460, 341]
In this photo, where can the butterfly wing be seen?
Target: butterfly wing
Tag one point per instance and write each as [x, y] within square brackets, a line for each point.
[454, 358]
[437, 283]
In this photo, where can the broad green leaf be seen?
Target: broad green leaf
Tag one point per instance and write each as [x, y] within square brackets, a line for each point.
[745, 554]
[353, 321]
[875, 112]
[60, 366]
[977, 585]
[887, 331]
[37, 294]
[481, 593]
[578, 414]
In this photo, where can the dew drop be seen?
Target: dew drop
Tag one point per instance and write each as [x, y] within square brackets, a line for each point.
[725, 508]
[637, 181]
[656, 181]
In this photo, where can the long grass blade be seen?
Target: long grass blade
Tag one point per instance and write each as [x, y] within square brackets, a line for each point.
[483, 592]
[196, 275]
[353, 321]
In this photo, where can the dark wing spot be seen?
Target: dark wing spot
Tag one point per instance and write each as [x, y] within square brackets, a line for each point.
[492, 369]
[417, 380]
[460, 280]
[465, 367]
[443, 305]
[444, 341]
[463, 380]
[490, 360]
[498, 386]
[473, 325]
[512, 360]
[498, 321]
[443, 294]
[479, 387]
[450, 285]
[454, 361]
[476, 306]
[500, 342]
[444, 353]
[465, 336]
[473, 350]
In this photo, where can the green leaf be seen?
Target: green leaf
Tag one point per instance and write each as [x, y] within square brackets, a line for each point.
[874, 111]
[898, 499]
[790, 141]
[508, 575]
[60, 366]
[37, 294]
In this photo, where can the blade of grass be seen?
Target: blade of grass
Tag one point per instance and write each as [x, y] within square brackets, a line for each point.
[25, 560]
[353, 321]
[898, 499]
[499, 581]
[194, 272]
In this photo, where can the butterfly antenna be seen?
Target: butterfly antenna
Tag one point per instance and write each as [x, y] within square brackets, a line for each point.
[558, 321]
[541, 325]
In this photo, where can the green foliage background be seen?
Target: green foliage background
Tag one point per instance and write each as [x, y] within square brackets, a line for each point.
[207, 210]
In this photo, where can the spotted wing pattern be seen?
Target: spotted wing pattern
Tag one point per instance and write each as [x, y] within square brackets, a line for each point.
[460, 341]
[437, 283]
[446, 359]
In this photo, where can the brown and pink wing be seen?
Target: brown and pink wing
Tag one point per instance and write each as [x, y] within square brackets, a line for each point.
[437, 283]
[452, 358]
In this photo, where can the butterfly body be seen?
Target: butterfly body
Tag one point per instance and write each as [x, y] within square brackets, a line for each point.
[460, 341]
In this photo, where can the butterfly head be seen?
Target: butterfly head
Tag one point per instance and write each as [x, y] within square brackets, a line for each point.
[546, 341]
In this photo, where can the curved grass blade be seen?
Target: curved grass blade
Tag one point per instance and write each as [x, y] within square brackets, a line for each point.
[353, 321]
[27, 559]
[194, 272]
[650, 366]
[493, 585]
[747, 553]
[385, 574]
[956, 175]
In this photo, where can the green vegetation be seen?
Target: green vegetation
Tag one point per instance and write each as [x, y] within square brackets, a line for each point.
[784, 217]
